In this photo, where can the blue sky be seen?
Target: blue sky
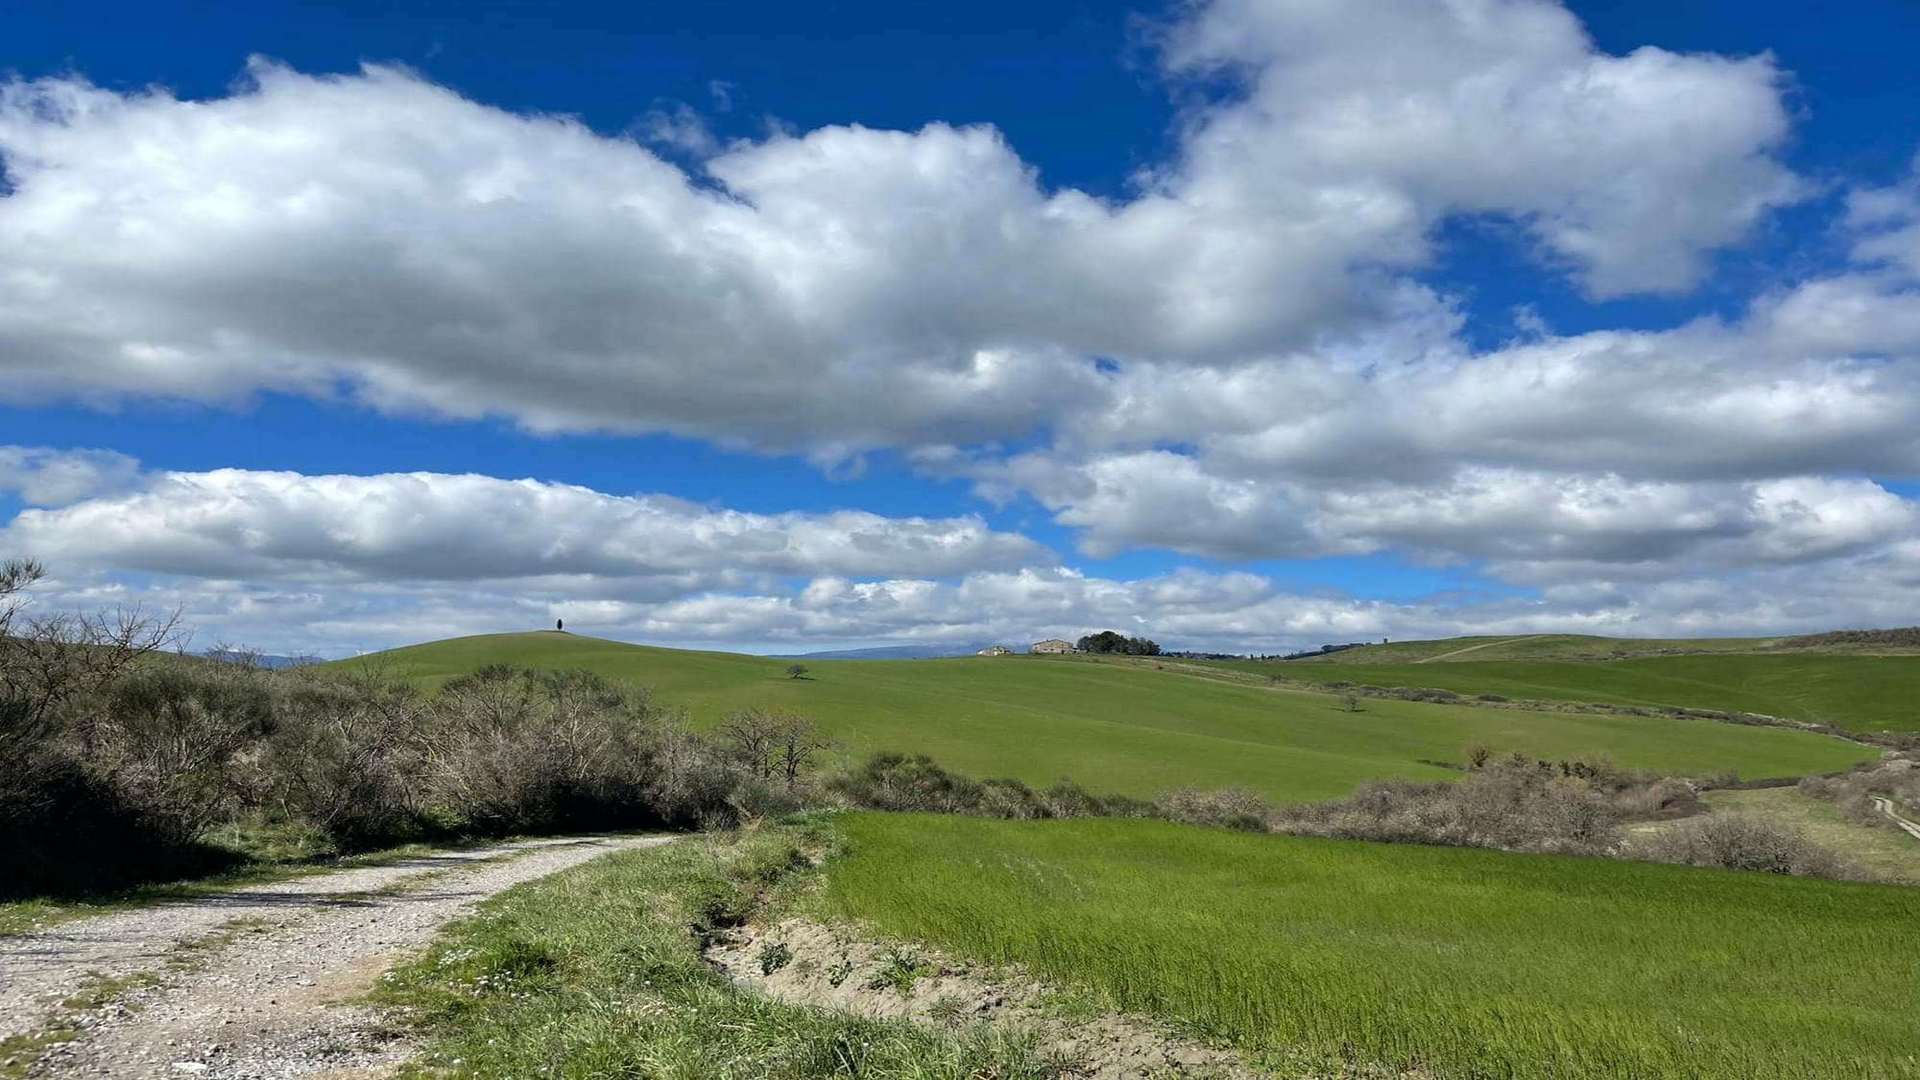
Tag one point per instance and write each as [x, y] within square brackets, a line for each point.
[1728, 215]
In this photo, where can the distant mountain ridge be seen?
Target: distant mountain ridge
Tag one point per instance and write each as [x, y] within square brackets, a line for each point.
[265, 660]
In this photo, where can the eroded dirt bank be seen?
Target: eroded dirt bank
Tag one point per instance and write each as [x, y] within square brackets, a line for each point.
[806, 962]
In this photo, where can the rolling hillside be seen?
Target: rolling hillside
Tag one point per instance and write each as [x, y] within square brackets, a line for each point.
[1537, 647]
[1129, 728]
[1846, 688]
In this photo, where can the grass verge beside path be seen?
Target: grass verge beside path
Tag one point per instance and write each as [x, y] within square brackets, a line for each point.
[1468, 963]
[597, 971]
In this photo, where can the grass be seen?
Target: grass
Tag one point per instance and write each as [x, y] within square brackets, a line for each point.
[1322, 953]
[597, 971]
[1856, 692]
[1132, 728]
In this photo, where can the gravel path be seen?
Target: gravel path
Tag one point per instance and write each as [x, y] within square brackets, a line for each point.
[246, 984]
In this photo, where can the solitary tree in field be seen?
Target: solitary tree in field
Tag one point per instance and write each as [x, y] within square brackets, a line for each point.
[1350, 702]
[559, 624]
[796, 671]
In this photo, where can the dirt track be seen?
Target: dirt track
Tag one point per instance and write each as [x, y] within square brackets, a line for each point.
[250, 983]
[1885, 806]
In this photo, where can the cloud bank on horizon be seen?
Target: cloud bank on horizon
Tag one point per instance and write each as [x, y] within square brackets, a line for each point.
[1245, 358]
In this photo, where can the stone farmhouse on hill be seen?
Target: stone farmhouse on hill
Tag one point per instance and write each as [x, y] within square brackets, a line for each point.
[1051, 645]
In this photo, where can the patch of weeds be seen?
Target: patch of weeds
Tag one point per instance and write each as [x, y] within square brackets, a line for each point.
[900, 968]
[840, 971]
[190, 953]
[947, 1011]
[774, 955]
[97, 990]
[514, 965]
[18, 1053]
[1070, 1003]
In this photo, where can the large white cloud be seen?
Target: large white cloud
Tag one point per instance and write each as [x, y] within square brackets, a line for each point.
[240, 524]
[382, 237]
[1629, 169]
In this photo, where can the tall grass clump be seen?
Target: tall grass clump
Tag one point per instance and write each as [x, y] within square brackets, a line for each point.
[1334, 957]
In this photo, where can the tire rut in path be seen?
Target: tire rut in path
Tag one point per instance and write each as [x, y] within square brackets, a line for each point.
[268, 1003]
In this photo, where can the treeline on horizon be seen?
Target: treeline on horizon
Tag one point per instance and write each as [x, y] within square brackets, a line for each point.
[1109, 642]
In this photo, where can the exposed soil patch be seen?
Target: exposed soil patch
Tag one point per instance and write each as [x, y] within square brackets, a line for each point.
[806, 962]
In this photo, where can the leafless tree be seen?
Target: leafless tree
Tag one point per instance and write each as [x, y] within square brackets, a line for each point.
[752, 736]
[772, 745]
[47, 661]
[799, 742]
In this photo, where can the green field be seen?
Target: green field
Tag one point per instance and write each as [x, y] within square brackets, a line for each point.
[1130, 728]
[1859, 692]
[1469, 963]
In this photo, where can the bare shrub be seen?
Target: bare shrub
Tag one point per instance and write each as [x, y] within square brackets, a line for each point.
[51, 662]
[1065, 799]
[890, 781]
[1663, 797]
[1232, 808]
[518, 750]
[1742, 842]
[347, 754]
[1007, 798]
[1514, 805]
[168, 738]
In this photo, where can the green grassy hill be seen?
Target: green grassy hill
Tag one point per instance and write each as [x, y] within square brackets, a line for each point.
[1849, 690]
[1535, 647]
[1130, 728]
